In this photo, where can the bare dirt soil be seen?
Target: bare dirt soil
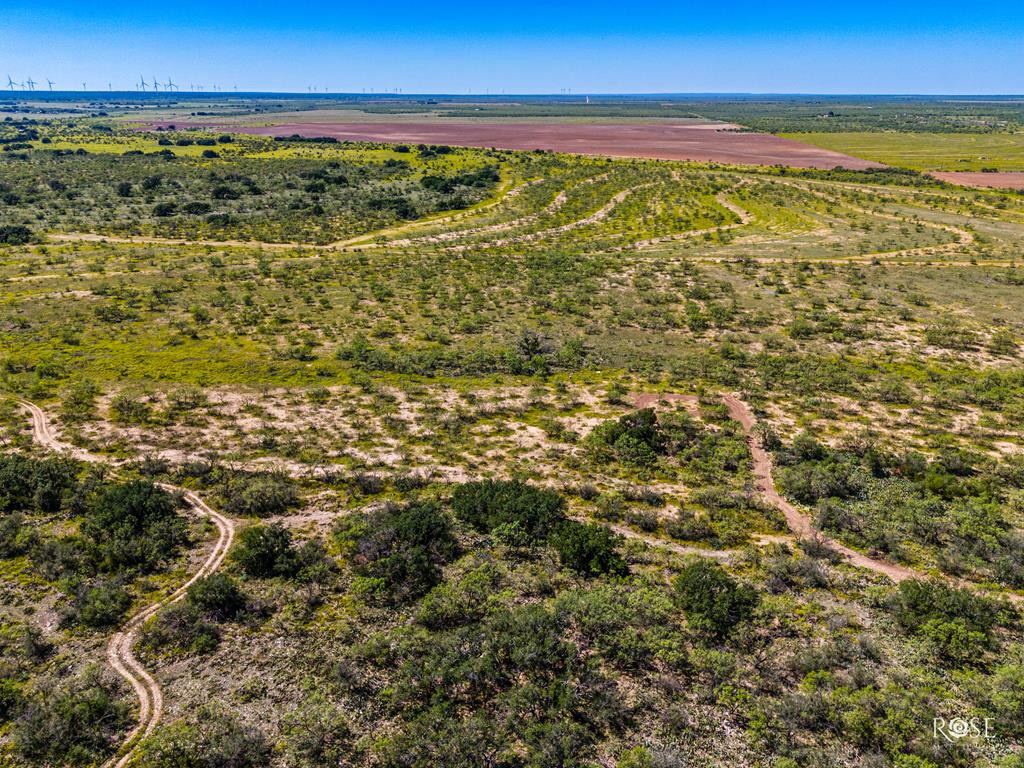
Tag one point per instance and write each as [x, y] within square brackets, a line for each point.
[1001, 180]
[703, 142]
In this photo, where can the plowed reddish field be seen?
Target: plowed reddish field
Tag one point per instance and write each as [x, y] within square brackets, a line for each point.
[669, 141]
[1002, 180]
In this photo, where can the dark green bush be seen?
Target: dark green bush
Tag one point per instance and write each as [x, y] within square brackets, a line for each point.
[957, 622]
[635, 438]
[261, 496]
[217, 596]
[98, 605]
[134, 525]
[714, 602]
[16, 537]
[263, 551]
[40, 485]
[210, 738]
[180, 628]
[588, 549]
[14, 234]
[522, 510]
[398, 550]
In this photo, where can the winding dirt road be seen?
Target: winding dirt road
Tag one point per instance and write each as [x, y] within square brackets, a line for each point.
[745, 218]
[119, 648]
[797, 521]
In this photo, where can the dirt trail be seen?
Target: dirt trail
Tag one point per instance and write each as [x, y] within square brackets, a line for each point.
[369, 239]
[798, 522]
[964, 238]
[599, 215]
[558, 201]
[119, 648]
[745, 218]
[356, 243]
[660, 543]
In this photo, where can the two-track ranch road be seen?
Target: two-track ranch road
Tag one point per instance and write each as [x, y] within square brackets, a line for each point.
[119, 648]
[798, 522]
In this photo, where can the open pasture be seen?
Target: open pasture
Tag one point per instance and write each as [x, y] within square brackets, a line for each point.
[939, 151]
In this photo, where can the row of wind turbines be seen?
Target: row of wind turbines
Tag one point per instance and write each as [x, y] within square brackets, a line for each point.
[154, 85]
[28, 85]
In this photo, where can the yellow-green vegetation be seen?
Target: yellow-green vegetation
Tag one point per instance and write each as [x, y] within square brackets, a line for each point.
[469, 534]
[927, 151]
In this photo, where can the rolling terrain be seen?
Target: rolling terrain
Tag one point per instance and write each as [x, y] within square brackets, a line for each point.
[384, 451]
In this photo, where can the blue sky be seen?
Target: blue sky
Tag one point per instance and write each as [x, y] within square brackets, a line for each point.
[523, 47]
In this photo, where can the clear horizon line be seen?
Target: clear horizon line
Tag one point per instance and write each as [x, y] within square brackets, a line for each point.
[489, 94]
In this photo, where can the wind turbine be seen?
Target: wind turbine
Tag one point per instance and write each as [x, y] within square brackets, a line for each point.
[49, 82]
[142, 83]
[83, 86]
[10, 83]
[156, 84]
[31, 83]
[170, 86]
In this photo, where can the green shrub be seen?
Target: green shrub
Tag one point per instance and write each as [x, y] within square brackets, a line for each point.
[263, 496]
[958, 623]
[1006, 693]
[462, 601]
[190, 625]
[398, 551]
[317, 734]
[531, 512]
[263, 551]
[217, 596]
[637, 757]
[75, 722]
[630, 450]
[128, 409]
[210, 738]
[79, 403]
[15, 234]
[16, 538]
[10, 699]
[635, 438]
[627, 623]
[98, 605]
[588, 549]
[134, 525]
[714, 602]
[180, 628]
[196, 207]
[28, 484]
